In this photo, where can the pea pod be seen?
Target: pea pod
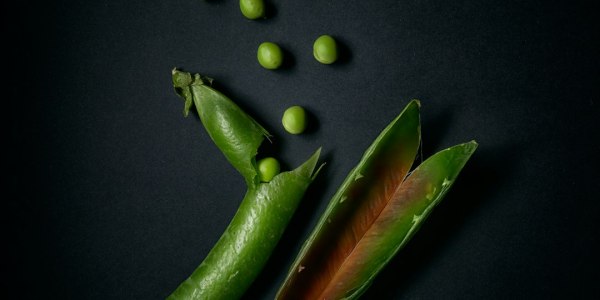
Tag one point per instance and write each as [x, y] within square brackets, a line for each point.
[245, 246]
[374, 213]
[234, 132]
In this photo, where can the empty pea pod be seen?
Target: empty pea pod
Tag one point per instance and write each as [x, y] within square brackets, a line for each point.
[380, 205]
[245, 246]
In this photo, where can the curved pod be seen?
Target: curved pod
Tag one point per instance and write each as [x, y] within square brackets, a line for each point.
[374, 213]
[245, 246]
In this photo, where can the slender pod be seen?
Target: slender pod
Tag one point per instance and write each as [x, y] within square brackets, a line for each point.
[374, 213]
[245, 246]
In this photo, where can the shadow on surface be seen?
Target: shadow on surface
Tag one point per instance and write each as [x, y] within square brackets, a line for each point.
[344, 53]
[270, 10]
[289, 60]
[312, 122]
[433, 129]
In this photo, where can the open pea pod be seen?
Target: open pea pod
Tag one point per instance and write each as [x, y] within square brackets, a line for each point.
[373, 214]
[266, 209]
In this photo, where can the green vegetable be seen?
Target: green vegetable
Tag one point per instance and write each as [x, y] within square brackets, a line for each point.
[268, 167]
[374, 213]
[294, 119]
[269, 55]
[325, 49]
[243, 249]
[252, 9]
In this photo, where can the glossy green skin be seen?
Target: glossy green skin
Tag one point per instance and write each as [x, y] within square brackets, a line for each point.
[245, 246]
[294, 120]
[252, 9]
[325, 49]
[268, 167]
[242, 251]
[269, 55]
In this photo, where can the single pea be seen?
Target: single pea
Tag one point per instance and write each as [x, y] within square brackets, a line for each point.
[325, 49]
[294, 119]
[268, 167]
[269, 55]
[252, 9]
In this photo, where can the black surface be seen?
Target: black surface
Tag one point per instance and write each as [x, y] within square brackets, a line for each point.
[112, 194]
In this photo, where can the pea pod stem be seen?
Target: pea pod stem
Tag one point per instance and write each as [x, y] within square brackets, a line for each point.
[234, 132]
[245, 246]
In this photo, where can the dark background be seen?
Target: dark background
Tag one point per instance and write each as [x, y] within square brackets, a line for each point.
[112, 194]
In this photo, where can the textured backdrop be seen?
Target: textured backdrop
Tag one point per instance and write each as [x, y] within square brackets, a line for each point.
[112, 194]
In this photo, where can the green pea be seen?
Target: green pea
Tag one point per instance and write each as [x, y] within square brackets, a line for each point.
[269, 55]
[252, 9]
[294, 119]
[325, 49]
[268, 167]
